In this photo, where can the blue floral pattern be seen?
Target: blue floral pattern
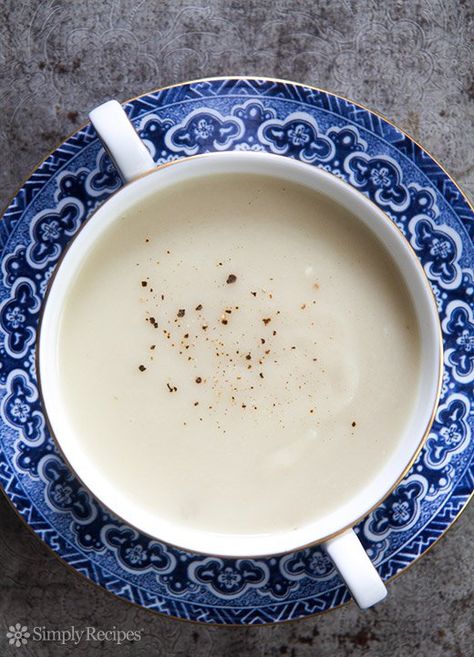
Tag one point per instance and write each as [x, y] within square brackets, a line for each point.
[11, 265]
[459, 340]
[63, 491]
[379, 178]
[308, 563]
[51, 231]
[87, 186]
[18, 314]
[229, 578]
[441, 248]
[21, 409]
[153, 131]
[297, 136]
[400, 511]
[252, 114]
[451, 431]
[204, 131]
[321, 130]
[104, 179]
[138, 553]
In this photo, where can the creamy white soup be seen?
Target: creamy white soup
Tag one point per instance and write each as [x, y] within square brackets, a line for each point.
[238, 354]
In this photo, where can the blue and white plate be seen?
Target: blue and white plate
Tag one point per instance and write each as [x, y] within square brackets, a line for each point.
[235, 114]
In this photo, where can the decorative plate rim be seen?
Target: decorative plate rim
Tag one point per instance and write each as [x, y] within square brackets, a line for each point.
[231, 79]
[95, 585]
[216, 78]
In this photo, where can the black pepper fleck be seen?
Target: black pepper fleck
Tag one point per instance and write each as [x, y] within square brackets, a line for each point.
[231, 278]
[142, 368]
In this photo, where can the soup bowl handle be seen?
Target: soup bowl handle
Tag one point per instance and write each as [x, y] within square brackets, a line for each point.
[356, 569]
[128, 152]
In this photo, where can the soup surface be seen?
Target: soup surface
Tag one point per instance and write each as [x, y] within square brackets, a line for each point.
[238, 354]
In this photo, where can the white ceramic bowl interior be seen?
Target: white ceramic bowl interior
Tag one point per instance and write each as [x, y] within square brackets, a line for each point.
[416, 427]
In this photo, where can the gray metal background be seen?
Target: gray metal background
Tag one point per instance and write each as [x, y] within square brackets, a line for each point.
[408, 60]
